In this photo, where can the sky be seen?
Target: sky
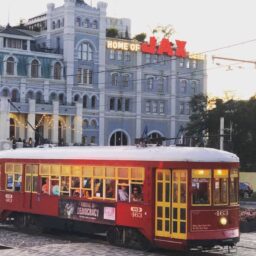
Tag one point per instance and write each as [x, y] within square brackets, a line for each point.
[222, 28]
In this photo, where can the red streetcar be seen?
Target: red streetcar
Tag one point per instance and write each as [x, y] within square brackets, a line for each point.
[171, 197]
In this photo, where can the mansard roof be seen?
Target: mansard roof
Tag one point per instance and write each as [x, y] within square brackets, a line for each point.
[80, 2]
[13, 31]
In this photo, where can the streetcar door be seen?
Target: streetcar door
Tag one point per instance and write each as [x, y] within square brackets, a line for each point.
[179, 204]
[31, 183]
[162, 206]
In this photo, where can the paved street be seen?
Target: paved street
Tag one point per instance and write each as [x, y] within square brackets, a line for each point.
[48, 245]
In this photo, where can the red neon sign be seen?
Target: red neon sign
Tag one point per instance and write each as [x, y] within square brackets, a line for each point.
[165, 47]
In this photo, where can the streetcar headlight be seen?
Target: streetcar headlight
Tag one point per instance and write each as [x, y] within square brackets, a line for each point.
[223, 221]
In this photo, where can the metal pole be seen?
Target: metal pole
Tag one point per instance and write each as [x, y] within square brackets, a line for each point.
[221, 133]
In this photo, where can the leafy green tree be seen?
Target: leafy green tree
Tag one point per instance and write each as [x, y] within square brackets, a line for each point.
[111, 32]
[239, 132]
[196, 129]
[141, 37]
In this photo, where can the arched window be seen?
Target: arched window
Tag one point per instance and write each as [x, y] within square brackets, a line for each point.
[57, 71]
[15, 96]
[87, 23]
[85, 51]
[39, 97]
[35, 69]
[30, 95]
[183, 86]
[118, 139]
[53, 25]
[78, 22]
[10, 63]
[5, 92]
[61, 99]
[93, 124]
[95, 24]
[93, 103]
[85, 123]
[76, 98]
[85, 101]
[194, 87]
[53, 96]
[155, 136]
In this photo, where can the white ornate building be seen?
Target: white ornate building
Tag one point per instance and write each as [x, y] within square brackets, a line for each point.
[71, 83]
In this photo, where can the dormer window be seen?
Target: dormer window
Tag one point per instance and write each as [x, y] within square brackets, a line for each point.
[15, 43]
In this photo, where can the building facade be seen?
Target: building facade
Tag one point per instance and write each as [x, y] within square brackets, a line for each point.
[64, 80]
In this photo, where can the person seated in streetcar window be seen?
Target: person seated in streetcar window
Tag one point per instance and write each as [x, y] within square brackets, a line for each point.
[136, 195]
[87, 194]
[45, 185]
[55, 188]
[75, 182]
[87, 183]
[123, 194]
[98, 187]
[110, 188]
[76, 193]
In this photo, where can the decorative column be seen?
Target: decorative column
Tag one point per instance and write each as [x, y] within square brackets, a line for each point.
[78, 121]
[4, 118]
[31, 119]
[102, 76]
[23, 85]
[55, 123]
[69, 46]
[46, 91]
[68, 130]
[50, 8]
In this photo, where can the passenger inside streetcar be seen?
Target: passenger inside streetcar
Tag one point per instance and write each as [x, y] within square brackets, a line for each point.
[123, 194]
[136, 195]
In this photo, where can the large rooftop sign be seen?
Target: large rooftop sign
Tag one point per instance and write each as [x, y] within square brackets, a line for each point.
[164, 47]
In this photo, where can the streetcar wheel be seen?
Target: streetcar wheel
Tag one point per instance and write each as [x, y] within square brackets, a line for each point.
[21, 221]
[136, 240]
[114, 236]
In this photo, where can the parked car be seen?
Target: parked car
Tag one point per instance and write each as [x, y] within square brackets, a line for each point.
[245, 190]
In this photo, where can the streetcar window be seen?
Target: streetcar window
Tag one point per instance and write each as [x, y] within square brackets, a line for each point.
[136, 194]
[220, 193]
[110, 188]
[9, 185]
[31, 178]
[64, 185]
[13, 177]
[201, 187]
[123, 192]
[87, 173]
[98, 188]
[234, 187]
[45, 185]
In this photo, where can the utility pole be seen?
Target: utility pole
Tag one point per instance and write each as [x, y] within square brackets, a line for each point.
[232, 59]
[221, 133]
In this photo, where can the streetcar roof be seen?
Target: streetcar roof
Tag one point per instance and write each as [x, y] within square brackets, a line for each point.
[151, 153]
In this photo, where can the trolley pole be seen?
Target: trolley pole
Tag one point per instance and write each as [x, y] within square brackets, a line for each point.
[221, 133]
